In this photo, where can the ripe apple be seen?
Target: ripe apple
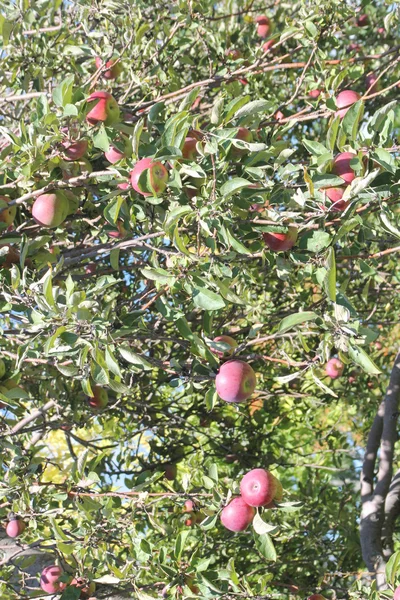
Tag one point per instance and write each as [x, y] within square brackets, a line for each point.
[102, 108]
[50, 210]
[113, 155]
[314, 94]
[245, 135]
[342, 168]
[113, 70]
[7, 215]
[87, 588]
[372, 83]
[233, 53]
[99, 400]
[279, 242]
[157, 177]
[74, 150]
[362, 20]
[188, 506]
[49, 580]
[259, 487]
[170, 472]
[335, 195]
[189, 150]
[124, 186]
[397, 593]
[235, 381]
[267, 46]
[346, 99]
[334, 368]
[279, 115]
[228, 341]
[237, 515]
[15, 527]
[263, 26]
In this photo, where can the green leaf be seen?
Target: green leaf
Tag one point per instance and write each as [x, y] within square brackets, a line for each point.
[351, 120]
[315, 148]
[322, 385]
[330, 279]
[361, 358]
[100, 140]
[261, 527]
[315, 241]
[296, 319]
[47, 283]
[393, 568]
[234, 185]
[253, 108]
[211, 398]
[180, 544]
[189, 99]
[207, 300]
[133, 358]
[265, 546]
[160, 275]
[233, 106]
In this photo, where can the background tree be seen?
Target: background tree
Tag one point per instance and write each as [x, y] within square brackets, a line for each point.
[172, 173]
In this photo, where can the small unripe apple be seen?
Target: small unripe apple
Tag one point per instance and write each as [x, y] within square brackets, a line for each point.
[15, 527]
[86, 588]
[189, 150]
[245, 135]
[362, 20]
[259, 487]
[113, 70]
[397, 593]
[335, 195]
[267, 46]
[74, 150]
[233, 53]
[170, 472]
[314, 94]
[229, 341]
[263, 26]
[280, 242]
[50, 210]
[235, 381]
[237, 515]
[372, 83]
[102, 108]
[49, 580]
[157, 177]
[7, 215]
[113, 155]
[346, 99]
[342, 168]
[99, 400]
[334, 368]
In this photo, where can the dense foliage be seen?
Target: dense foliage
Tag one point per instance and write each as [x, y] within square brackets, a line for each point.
[110, 420]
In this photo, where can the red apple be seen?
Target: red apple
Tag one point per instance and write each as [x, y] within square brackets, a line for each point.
[228, 341]
[170, 472]
[259, 487]
[103, 108]
[267, 46]
[235, 381]
[335, 195]
[7, 215]
[99, 400]
[314, 94]
[233, 53]
[353, 47]
[397, 593]
[279, 242]
[157, 177]
[113, 70]
[372, 83]
[50, 210]
[334, 368]
[237, 515]
[113, 155]
[189, 506]
[74, 150]
[120, 233]
[341, 166]
[189, 150]
[362, 20]
[124, 186]
[263, 26]
[15, 527]
[49, 580]
[279, 115]
[346, 99]
[245, 135]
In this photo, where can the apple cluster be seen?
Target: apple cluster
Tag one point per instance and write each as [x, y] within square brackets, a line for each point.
[258, 488]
